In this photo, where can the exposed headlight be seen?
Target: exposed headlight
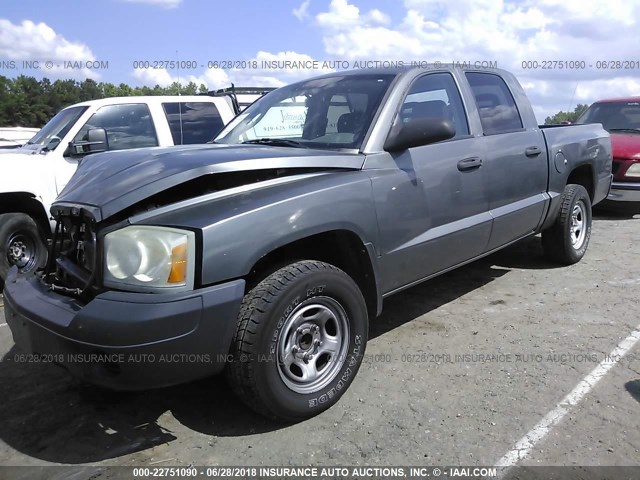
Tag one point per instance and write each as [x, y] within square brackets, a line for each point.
[633, 170]
[149, 258]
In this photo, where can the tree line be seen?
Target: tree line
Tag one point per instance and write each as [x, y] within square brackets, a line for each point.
[28, 102]
[570, 117]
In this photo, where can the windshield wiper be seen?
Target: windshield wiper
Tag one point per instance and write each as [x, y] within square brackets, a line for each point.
[634, 130]
[276, 142]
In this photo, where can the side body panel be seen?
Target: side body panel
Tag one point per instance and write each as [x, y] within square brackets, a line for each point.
[517, 184]
[517, 169]
[571, 147]
[431, 215]
[240, 227]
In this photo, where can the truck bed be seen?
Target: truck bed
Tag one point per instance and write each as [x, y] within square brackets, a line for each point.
[584, 150]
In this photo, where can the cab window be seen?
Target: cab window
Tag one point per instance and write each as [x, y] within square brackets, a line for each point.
[496, 106]
[127, 126]
[193, 122]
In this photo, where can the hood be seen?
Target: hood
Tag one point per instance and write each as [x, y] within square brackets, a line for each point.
[625, 145]
[106, 183]
[23, 150]
[24, 170]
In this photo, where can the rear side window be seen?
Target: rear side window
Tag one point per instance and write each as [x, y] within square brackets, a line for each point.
[496, 106]
[193, 122]
[127, 126]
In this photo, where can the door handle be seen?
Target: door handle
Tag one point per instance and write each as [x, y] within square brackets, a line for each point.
[469, 164]
[532, 151]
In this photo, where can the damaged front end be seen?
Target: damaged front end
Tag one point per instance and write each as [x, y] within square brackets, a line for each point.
[73, 267]
[96, 321]
[76, 265]
[150, 252]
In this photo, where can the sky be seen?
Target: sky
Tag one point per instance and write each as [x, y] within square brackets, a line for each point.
[219, 42]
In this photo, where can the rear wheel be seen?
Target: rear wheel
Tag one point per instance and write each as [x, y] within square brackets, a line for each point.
[300, 339]
[20, 244]
[567, 240]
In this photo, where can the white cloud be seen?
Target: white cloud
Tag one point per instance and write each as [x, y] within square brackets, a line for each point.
[302, 12]
[213, 78]
[266, 69]
[282, 65]
[153, 76]
[550, 96]
[508, 32]
[607, 88]
[38, 41]
[160, 3]
[593, 11]
[343, 15]
[376, 16]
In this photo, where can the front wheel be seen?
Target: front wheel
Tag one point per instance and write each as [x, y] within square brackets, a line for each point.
[20, 244]
[299, 342]
[567, 240]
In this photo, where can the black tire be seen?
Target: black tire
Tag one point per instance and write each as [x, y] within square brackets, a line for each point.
[567, 240]
[283, 311]
[20, 244]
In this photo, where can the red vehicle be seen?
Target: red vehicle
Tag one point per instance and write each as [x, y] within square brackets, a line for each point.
[621, 118]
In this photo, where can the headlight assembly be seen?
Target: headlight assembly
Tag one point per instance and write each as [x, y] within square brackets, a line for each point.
[148, 258]
[633, 171]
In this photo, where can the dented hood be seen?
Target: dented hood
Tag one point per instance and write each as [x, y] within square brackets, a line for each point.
[106, 183]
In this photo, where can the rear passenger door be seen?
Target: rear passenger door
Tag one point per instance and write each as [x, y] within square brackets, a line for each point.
[515, 161]
[193, 122]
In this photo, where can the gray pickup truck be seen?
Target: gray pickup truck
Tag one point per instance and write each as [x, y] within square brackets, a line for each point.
[265, 254]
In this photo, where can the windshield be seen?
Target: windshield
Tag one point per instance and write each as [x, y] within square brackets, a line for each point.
[614, 116]
[55, 130]
[328, 113]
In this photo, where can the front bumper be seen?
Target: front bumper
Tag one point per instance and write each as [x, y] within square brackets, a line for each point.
[624, 192]
[125, 341]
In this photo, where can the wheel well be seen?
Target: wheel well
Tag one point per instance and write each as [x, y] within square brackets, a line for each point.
[340, 248]
[583, 175]
[23, 202]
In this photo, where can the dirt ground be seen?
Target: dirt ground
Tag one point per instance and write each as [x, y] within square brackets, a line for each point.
[541, 329]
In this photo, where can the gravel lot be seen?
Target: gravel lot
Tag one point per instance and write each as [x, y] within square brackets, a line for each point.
[546, 328]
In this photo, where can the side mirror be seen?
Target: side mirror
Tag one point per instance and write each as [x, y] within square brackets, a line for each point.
[97, 141]
[418, 132]
[53, 143]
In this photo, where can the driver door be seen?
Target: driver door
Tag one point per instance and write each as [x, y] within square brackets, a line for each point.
[432, 205]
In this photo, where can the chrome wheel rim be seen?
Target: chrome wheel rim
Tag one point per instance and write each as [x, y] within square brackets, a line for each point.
[313, 344]
[578, 226]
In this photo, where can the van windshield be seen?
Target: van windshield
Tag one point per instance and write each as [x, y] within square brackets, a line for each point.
[333, 112]
[54, 131]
